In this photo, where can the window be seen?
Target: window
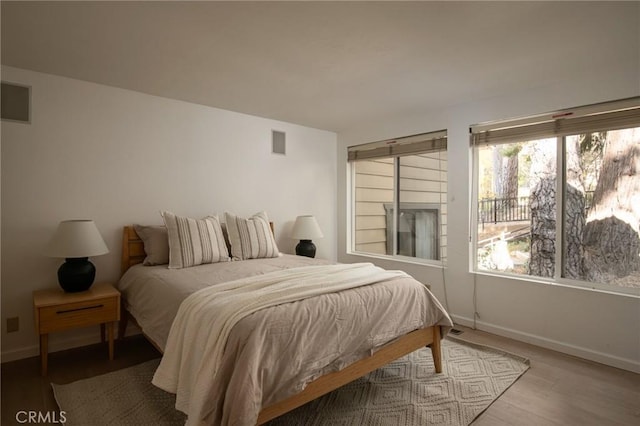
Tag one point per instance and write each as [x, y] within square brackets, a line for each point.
[558, 196]
[418, 233]
[399, 198]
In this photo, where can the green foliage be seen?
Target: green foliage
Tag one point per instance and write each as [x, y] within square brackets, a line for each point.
[524, 170]
[520, 244]
[511, 149]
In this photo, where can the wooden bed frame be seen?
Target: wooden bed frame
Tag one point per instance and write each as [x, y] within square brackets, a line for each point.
[133, 253]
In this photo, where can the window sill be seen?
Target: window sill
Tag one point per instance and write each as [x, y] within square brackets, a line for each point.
[566, 283]
[401, 259]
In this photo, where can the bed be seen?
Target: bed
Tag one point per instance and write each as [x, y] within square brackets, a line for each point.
[152, 306]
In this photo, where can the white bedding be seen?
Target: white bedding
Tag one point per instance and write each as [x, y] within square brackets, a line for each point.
[272, 353]
[153, 294]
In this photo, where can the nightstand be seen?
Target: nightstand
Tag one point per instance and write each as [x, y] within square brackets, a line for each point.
[56, 310]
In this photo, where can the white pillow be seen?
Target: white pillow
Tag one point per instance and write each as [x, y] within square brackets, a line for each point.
[194, 241]
[251, 238]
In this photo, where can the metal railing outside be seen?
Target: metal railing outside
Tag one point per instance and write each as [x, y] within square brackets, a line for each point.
[515, 209]
[494, 210]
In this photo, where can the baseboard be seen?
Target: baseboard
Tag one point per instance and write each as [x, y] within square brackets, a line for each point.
[34, 350]
[566, 348]
[61, 345]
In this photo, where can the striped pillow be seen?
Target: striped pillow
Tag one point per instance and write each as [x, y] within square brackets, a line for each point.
[194, 241]
[251, 238]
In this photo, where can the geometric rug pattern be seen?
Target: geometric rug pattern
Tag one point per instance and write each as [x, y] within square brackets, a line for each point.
[409, 392]
[406, 392]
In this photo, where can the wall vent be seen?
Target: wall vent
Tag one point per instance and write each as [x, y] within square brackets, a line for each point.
[278, 142]
[15, 102]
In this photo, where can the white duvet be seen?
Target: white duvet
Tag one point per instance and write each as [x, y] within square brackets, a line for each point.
[272, 353]
[206, 318]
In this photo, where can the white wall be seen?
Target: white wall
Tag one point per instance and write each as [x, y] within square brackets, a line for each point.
[595, 325]
[118, 157]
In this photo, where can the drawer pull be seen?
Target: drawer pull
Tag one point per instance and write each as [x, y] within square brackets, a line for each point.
[80, 309]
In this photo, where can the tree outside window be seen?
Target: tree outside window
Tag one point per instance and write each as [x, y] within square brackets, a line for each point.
[565, 207]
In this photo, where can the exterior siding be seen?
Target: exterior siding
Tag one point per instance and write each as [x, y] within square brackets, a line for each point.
[423, 180]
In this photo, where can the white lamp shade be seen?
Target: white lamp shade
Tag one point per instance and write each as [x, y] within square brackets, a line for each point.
[306, 228]
[76, 238]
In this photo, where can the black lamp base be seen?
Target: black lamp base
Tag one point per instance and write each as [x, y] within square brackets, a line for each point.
[306, 248]
[76, 274]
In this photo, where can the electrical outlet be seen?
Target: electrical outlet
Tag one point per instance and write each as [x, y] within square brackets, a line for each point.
[13, 324]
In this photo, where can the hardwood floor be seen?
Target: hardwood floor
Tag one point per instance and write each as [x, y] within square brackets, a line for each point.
[557, 390]
[24, 389]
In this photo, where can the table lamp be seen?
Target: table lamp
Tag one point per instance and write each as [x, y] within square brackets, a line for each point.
[76, 240]
[305, 229]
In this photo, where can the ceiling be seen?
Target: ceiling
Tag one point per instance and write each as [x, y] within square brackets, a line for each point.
[328, 65]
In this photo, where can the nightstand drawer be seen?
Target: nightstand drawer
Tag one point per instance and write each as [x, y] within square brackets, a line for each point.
[78, 314]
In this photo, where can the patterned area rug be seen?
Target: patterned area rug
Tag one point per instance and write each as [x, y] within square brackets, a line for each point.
[405, 392]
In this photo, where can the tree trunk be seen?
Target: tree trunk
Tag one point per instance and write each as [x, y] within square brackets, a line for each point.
[612, 234]
[498, 172]
[543, 228]
[510, 189]
[574, 207]
[510, 204]
[543, 209]
[505, 188]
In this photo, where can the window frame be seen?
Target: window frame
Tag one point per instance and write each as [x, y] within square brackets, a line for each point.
[543, 121]
[395, 149]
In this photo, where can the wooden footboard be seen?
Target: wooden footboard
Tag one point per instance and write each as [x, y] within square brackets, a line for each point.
[133, 253]
[400, 347]
[332, 381]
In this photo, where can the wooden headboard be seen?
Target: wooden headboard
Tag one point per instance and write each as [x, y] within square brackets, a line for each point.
[133, 248]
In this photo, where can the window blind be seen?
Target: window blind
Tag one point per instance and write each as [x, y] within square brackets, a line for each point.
[415, 144]
[590, 119]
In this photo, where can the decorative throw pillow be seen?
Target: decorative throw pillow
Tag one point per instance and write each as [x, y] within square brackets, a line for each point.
[251, 238]
[156, 244]
[194, 241]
